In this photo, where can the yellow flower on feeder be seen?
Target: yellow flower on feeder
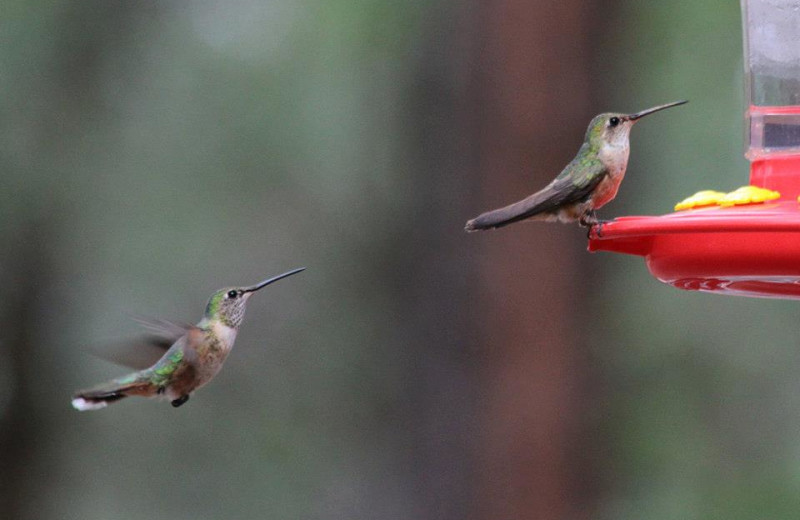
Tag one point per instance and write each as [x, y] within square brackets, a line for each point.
[748, 195]
[700, 199]
[742, 196]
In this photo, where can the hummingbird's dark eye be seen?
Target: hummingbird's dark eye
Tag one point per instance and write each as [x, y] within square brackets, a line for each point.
[232, 294]
[614, 121]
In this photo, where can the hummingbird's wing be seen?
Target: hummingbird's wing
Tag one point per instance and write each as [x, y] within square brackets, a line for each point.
[163, 328]
[178, 359]
[573, 185]
[144, 351]
[179, 367]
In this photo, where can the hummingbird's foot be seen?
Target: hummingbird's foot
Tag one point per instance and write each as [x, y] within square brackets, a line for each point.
[588, 219]
[599, 228]
[179, 401]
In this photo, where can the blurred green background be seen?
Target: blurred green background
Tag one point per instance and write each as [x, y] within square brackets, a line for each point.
[154, 152]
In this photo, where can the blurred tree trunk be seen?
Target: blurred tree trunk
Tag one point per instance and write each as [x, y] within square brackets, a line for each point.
[70, 92]
[26, 273]
[532, 87]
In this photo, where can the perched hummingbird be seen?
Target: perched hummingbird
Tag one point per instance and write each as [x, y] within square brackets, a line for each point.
[587, 183]
[194, 354]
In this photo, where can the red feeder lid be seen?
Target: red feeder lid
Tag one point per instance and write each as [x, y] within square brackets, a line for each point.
[751, 250]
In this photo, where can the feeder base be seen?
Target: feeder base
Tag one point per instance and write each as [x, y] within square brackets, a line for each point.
[744, 251]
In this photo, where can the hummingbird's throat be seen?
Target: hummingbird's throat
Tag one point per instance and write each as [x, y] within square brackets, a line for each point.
[620, 137]
[232, 317]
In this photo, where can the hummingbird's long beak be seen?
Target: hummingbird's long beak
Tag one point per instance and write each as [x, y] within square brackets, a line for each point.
[265, 283]
[639, 115]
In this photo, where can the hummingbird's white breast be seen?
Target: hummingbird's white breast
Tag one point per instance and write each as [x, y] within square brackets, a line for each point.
[227, 335]
[213, 358]
[614, 156]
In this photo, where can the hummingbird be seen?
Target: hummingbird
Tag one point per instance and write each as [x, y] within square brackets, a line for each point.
[191, 354]
[586, 184]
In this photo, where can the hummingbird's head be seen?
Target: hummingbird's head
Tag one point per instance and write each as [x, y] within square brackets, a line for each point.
[614, 129]
[228, 305]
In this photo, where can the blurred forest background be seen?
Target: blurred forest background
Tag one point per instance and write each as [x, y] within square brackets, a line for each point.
[154, 152]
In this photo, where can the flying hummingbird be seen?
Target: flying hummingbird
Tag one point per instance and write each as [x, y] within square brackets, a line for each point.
[194, 353]
[587, 183]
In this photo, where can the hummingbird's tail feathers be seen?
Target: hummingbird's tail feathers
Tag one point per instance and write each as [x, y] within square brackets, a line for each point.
[530, 207]
[100, 396]
[83, 404]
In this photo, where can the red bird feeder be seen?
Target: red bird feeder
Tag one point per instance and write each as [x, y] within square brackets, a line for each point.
[746, 242]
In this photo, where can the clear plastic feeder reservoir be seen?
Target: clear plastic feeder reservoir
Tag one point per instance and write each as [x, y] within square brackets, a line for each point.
[772, 65]
[745, 242]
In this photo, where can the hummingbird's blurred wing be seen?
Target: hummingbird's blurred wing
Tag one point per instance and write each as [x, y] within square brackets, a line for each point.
[163, 328]
[574, 184]
[144, 351]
